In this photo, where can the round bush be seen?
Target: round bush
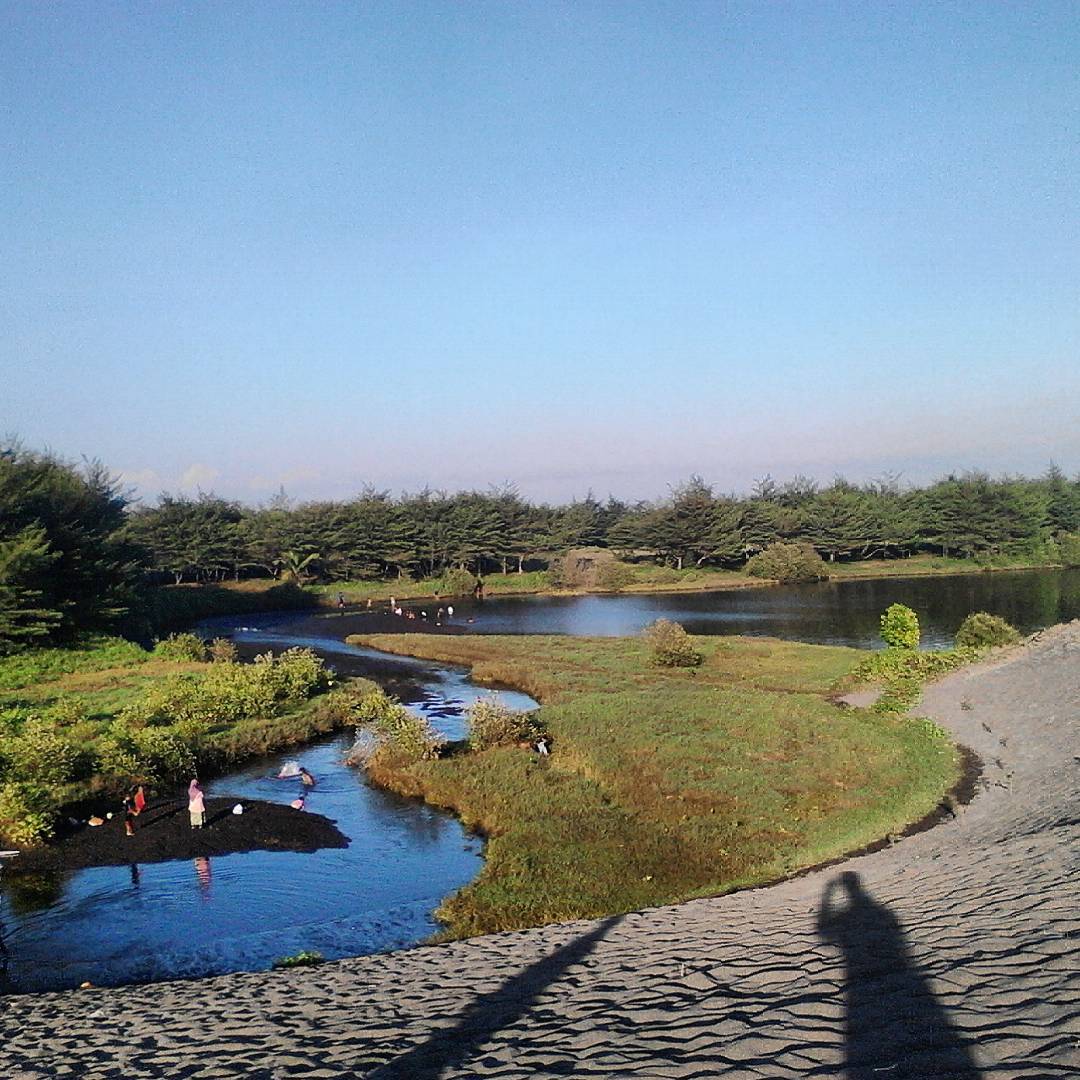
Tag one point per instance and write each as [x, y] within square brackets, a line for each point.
[671, 645]
[181, 647]
[982, 630]
[788, 562]
[900, 627]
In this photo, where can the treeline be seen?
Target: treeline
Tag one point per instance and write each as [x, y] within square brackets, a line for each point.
[75, 553]
[425, 535]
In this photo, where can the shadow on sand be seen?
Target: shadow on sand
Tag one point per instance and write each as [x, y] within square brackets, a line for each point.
[895, 1028]
[490, 1013]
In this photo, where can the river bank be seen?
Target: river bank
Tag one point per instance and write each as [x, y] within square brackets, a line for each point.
[911, 975]
[663, 784]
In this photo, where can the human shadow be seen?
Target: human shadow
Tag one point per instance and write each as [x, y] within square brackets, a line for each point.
[894, 1024]
[489, 1013]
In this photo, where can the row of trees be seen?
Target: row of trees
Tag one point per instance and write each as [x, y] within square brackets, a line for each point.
[375, 535]
[74, 551]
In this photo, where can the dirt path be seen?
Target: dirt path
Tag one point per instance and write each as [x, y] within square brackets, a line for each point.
[952, 954]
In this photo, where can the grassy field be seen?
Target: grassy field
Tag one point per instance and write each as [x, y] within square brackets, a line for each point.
[667, 784]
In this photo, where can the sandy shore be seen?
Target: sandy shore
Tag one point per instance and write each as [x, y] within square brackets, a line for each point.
[951, 954]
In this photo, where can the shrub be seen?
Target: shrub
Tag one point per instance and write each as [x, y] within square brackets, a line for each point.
[301, 959]
[457, 582]
[982, 630]
[671, 645]
[900, 627]
[408, 737]
[39, 755]
[27, 811]
[181, 648]
[788, 562]
[223, 651]
[491, 723]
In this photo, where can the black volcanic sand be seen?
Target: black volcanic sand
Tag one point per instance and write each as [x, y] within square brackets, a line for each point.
[163, 832]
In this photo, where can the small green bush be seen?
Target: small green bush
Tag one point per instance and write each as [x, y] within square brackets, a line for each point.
[28, 811]
[223, 651]
[900, 627]
[788, 563]
[671, 645]
[982, 630]
[457, 582]
[491, 723]
[183, 648]
[38, 754]
[301, 959]
[408, 737]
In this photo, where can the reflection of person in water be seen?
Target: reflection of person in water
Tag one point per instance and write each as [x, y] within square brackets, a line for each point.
[894, 1022]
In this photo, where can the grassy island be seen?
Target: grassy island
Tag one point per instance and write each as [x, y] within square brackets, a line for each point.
[666, 784]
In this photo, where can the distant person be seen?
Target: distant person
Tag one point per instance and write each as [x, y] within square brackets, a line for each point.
[340, 599]
[129, 815]
[298, 803]
[196, 804]
[393, 606]
[449, 611]
[542, 747]
[478, 589]
[306, 778]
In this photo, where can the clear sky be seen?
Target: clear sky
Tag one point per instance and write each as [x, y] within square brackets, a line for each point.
[570, 245]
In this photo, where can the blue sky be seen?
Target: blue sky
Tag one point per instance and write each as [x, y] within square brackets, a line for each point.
[574, 246]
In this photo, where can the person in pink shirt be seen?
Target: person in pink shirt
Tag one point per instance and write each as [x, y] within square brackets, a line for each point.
[196, 805]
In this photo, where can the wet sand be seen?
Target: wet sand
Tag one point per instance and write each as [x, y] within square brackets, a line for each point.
[950, 954]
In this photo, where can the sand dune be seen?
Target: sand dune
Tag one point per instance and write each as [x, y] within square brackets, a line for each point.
[952, 954]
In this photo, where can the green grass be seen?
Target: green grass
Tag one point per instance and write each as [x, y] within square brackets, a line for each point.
[667, 784]
[357, 592]
[40, 666]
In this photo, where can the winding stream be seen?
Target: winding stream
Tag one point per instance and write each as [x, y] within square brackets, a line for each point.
[191, 918]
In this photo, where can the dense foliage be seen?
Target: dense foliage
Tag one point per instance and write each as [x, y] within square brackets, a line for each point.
[982, 630]
[60, 740]
[66, 564]
[788, 562]
[900, 627]
[435, 534]
[491, 723]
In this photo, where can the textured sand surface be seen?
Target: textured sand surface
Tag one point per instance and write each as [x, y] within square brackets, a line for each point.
[952, 954]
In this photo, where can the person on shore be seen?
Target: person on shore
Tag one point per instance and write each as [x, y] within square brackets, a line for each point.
[299, 802]
[449, 611]
[306, 778]
[340, 600]
[129, 814]
[196, 804]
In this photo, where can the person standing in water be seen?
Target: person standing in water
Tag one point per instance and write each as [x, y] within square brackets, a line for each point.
[196, 804]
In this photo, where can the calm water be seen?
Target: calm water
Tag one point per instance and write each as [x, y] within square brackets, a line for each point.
[197, 917]
[831, 613]
[113, 925]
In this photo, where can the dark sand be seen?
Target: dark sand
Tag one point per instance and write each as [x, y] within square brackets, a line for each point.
[163, 832]
[951, 954]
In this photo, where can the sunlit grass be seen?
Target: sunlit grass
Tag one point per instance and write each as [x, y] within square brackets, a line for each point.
[668, 784]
